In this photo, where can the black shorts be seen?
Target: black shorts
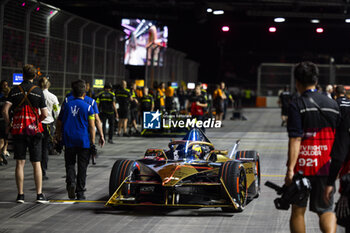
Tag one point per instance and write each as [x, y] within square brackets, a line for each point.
[22, 142]
[317, 204]
[123, 112]
[284, 111]
[2, 130]
[133, 114]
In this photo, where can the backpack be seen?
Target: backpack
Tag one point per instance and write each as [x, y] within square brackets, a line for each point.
[26, 118]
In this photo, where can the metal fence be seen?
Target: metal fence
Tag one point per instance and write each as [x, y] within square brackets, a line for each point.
[272, 77]
[62, 45]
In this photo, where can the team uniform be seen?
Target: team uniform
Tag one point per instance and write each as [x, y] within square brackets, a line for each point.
[133, 106]
[314, 117]
[105, 101]
[198, 111]
[123, 98]
[340, 155]
[26, 128]
[344, 105]
[75, 136]
[160, 99]
[146, 103]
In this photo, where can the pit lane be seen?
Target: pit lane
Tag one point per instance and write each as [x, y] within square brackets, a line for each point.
[261, 132]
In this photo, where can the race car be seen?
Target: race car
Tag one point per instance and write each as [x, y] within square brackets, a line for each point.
[191, 173]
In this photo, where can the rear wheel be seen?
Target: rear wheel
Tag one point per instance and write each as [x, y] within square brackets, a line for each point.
[254, 188]
[120, 171]
[234, 177]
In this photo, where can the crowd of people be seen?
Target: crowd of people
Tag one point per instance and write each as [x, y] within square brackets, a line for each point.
[32, 115]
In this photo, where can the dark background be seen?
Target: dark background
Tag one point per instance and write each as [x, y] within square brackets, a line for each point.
[235, 55]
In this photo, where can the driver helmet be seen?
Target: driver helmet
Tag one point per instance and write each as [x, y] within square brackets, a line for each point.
[197, 151]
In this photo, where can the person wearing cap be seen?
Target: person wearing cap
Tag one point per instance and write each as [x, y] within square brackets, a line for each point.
[108, 110]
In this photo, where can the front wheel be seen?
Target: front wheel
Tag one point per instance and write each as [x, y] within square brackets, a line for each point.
[234, 177]
[121, 169]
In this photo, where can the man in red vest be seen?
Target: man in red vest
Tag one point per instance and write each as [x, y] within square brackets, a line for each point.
[26, 128]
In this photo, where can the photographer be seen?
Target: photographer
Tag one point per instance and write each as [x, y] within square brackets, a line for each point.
[341, 165]
[76, 128]
[312, 119]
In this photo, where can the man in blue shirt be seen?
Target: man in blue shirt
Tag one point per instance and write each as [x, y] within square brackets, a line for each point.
[76, 128]
[98, 122]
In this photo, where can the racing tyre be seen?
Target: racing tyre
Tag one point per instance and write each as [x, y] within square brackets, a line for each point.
[254, 188]
[121, 169]
[234, 177]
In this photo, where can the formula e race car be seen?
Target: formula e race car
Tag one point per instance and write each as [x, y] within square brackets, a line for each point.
[191, 173]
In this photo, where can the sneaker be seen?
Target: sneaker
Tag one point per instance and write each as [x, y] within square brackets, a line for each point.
[71, 191]
[20, 198]
[110, 141]
[81, 196]
[93, 160]
[40, 198]
[7, 154]
[4, 160]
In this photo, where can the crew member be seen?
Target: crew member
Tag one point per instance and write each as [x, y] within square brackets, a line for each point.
[133, 108]
[312, 119]
[108, 110]
[197, 103]
[123, 96]
[169, 98]
[284, 100]
[26, 100]
[329, 91]
[53, 110]
[342, 100]
[182, 95]
[98, 122]
[340, 166]
[227, 100]
[76, 128]
[160, 97]
[219, 96]
[147, 102]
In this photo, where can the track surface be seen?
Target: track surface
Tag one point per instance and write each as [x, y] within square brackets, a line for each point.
[261, 132]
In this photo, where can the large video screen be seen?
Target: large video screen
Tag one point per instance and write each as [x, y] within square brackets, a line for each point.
[142, 35]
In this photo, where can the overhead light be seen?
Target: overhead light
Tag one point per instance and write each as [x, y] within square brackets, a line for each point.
[209, 10]
[225, 28]
[315, 21]
[272, 29]
[218, 12]
[347, 20]
[319, 30]
[279, 20]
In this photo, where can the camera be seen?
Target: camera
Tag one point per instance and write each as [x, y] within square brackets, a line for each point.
[298, 190]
